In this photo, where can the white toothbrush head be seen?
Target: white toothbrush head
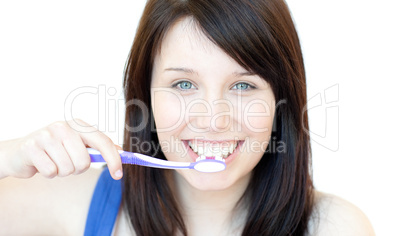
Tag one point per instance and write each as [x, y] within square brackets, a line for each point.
[209, 165]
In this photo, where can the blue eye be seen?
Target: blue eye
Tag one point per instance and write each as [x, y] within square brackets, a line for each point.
[184, 85]
[242, 86]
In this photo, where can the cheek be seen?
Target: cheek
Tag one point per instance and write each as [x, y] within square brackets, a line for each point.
[258, 117]
[257, 123]
[167, 109]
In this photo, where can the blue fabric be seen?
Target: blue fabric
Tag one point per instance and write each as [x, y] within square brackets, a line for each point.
[104, 206]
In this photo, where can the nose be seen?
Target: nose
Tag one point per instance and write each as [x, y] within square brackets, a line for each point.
[211, 114]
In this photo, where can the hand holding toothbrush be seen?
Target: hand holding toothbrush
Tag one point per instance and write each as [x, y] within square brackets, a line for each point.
[57, 150]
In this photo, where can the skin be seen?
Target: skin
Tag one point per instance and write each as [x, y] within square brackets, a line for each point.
[188, 56]
[214, 77]
[59, 150]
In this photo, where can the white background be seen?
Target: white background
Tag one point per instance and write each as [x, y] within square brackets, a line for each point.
[352, 51]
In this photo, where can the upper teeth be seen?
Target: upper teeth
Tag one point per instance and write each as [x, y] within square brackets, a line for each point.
[213, 150]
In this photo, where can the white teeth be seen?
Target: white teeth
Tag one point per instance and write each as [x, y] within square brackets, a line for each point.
[200, 151]
[219, 158]
[212, 150]
[209, 153]
[225, 151]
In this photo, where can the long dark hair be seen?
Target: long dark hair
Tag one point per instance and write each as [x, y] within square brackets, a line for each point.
[261, 37]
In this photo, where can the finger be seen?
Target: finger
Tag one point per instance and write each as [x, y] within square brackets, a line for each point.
[103, 144]
[110, 155]
[118, 147]
[78, 154]
[59, 155]
[43, 163]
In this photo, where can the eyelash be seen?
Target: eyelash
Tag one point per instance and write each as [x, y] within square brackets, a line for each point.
[249, 86]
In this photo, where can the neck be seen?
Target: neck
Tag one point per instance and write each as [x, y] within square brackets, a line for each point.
[202, 210]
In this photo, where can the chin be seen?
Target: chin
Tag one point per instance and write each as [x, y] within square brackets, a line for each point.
[218, 181]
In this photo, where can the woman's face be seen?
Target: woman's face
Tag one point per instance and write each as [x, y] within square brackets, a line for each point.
[205, 103]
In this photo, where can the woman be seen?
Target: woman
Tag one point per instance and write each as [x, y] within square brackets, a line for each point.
[204, 78]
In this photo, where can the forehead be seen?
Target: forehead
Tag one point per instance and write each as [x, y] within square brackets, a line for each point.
[186, 45]
[186, 32]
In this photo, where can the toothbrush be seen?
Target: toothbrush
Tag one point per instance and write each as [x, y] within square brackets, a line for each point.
[205, 165]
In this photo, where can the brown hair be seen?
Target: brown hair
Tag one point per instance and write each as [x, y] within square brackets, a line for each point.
[261, 37]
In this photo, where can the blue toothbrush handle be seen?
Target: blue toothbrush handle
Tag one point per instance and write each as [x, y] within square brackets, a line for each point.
[95, 155]
[207, 165]
[142, 160]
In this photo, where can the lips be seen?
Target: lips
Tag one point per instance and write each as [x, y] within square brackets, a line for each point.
[219, 150]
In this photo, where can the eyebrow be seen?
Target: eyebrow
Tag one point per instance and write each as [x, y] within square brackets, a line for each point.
[191, 71]
[181, 69]
[240, 74]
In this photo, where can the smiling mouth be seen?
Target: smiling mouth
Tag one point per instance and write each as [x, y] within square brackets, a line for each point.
[218, 150]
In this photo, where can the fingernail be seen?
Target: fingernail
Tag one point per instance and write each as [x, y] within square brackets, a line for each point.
[118, 174]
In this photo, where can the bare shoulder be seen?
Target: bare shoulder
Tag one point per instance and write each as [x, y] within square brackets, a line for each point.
[333, 215]
[46, 206]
